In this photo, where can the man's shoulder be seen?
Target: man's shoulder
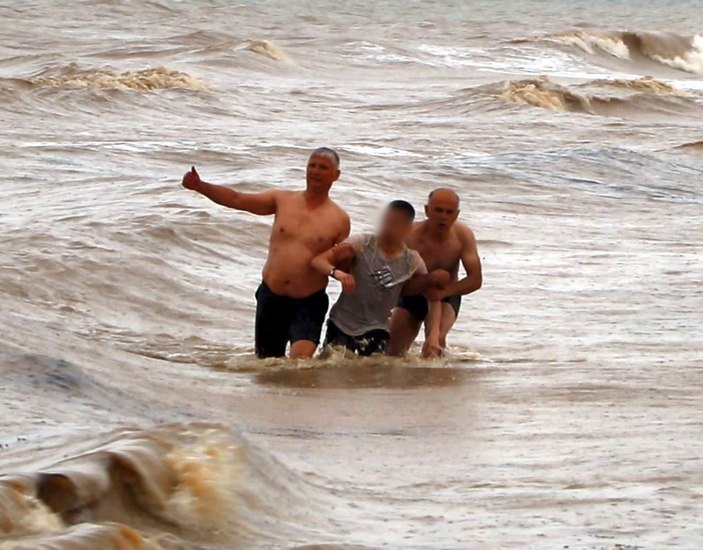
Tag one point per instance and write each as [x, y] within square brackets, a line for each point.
[464, 233]
[338, 208]
[364, 239]
[285, 193]
[340, 214]
[418, 229]
[359, 241]
[414, 255]
[463, 228]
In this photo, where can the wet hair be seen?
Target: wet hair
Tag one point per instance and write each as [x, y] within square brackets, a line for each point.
[326, 152]
[403, 206]
[443, 190]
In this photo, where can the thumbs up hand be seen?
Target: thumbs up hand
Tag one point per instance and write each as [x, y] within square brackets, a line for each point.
[192, 180]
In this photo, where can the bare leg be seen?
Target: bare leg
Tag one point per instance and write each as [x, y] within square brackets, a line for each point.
[446, 324]
[302, 349]
[433, 322]
[404, 329]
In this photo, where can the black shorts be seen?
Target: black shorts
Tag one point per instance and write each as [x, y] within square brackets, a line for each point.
[280, 319]
[419, 307]
[373, 342]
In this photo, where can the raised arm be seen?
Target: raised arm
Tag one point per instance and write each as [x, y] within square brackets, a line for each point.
[262, 204]
[472, 264]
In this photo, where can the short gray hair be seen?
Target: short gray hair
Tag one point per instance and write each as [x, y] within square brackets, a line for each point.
[326, 152]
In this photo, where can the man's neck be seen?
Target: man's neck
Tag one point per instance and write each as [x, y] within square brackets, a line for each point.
[390, 248]
[437, 234]
[313, 198]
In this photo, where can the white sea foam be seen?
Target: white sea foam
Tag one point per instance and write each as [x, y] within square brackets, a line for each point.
[590, 43]
[690, 61]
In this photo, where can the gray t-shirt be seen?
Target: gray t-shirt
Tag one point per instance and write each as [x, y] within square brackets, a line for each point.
[379, 283]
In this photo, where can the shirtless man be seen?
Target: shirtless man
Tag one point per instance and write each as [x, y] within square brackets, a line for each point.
[291, 301]
[443, 243]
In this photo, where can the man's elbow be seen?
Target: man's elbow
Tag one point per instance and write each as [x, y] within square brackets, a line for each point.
[478, 282]
[342, 256]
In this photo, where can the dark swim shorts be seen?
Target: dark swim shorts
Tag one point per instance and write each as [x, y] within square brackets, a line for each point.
[280, 319]
[373, 342]
[419, 307]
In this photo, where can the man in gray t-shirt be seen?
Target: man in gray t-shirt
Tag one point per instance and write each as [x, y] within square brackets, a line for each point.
[382, 268]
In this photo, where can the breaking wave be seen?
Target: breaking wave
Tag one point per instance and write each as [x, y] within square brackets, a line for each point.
[644, 94]
[181, 476]
[675, 51]
[156, 78]
[645, 84]
[267, 49]
[544, 93]
[696, 146]
[140, 489]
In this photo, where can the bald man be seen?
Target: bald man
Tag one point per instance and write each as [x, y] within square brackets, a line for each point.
[291, 302]
[443, 243]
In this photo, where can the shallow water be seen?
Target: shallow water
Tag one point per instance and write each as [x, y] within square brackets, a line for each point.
[568, 413]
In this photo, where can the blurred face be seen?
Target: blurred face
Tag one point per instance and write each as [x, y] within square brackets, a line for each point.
[395, 226]
[321, 173]
[442, 210]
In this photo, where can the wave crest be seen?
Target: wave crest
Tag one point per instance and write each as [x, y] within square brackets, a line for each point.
[675, 51]
[181, 475]
[21, 513]
[645, 84]
[267, 49]
[157, 488]
[648, 94]
[696, 146]
[545, 94]
[156, 78]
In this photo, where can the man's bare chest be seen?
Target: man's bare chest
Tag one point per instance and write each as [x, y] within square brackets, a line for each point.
[439, 255]
[313, 229]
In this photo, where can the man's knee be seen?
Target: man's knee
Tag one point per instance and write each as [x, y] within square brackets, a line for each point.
[403, 320]
[269, 343]
[302, 349]
[404, 330]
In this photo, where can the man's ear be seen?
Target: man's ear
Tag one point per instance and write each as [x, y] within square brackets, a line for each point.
[339, 173]
[427, 209]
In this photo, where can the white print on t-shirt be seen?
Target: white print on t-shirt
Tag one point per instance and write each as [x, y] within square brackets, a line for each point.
[383, 277]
